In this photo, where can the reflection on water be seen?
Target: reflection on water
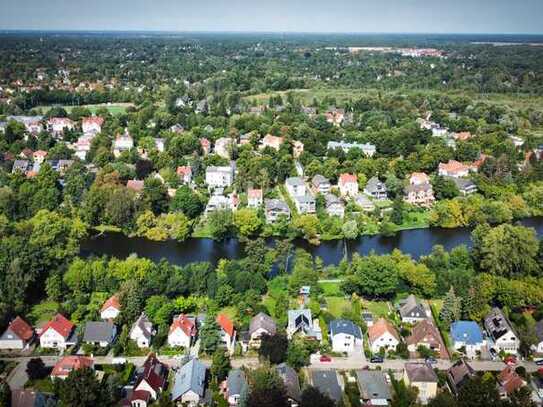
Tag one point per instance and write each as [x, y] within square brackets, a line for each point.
[416, 242]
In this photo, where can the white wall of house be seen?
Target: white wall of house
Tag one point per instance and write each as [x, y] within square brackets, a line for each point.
[110, 313]
[146, 387]
[52, 339]
[14, 343]
[137, 336]
[386, 341]
[508, 343]
[178, 338]
[191, 398]
[471, 349]
[345, 343]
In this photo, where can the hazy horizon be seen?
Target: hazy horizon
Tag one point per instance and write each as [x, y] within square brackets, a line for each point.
[282, 16]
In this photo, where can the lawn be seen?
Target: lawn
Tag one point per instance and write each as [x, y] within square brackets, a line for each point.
[113, 108]
[331, 288]
[415, 220]
[377, 308]
[336, 305]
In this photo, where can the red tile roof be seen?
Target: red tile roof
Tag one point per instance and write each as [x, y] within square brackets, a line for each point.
[184, 170]
[346, 178]
[60, 324]
[453, 166]
[226, 324]
[254, 193]
[93, 120]
[379, 328]
[185, 324]
[154, 373]
[113, 302]
[135, 185]
[69, 363]
[21, 328]
[510, 380]
[39, 153]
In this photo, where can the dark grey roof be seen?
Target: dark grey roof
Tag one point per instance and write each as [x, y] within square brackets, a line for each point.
[277, 204]
[21, 165]
[374, 185]
[463, 184]
[327, 383]
[262, 321]
[418, 187]
[319, 179]
[338, 326]
[99, 331]
[290, 378]
[539, 330]
[459, 373]
[189, 377]
[411, 306]
[372, 385]
[295, 181]
[496, 324]
[236, 382]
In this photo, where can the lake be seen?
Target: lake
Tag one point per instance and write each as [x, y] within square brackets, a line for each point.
[415, 242]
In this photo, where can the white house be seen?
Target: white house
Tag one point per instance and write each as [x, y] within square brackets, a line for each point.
[412, 310]
[501, 332]
[539, 335]
[348, 185]
[219, 177]
[345, 336]
[111, 308]
[228, 332]
[57, 125]
[122, 143]
[57, 333]
[17, 336]
[367, 149]
[254, 198]
[260, 324]
[382, 335]
[142, 331]
[295, 186]
[92, 125]
[150, 382]
[182, 332]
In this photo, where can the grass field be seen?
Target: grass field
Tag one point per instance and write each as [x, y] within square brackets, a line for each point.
[113, 108]
[331, 288]
[377, 308]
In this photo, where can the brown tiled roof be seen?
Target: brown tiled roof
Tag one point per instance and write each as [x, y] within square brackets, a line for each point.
[21, 328]
[379, 328]
[510, 380]
[424, 332]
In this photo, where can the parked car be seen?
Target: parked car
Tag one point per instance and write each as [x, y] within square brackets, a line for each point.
[539, 362]
[325, 358]
[431, 360]
[377, 359]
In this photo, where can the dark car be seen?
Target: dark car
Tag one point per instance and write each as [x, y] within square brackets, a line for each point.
[539, 362]
[431, 360]
[377, 359]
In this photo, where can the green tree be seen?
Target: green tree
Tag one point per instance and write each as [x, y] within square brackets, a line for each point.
[247, 221]
[220, 365]
[312, 397]
[210, 337]
[451, 309]
[266, 389]
[375, 276]
[186, 201]
[81, 388]
[220, 224]
[273, 347]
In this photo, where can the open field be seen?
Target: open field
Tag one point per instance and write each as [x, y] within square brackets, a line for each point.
[113, 108]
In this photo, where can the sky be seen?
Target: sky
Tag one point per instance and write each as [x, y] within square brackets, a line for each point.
[365, 16]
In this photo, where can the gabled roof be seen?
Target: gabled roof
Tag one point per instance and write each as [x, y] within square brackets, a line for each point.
[412, 305]
[144, 325]
[185, 324]
[290, 378]
[344, 326]
[154, 373]
[20, 328]
[99, 331]
[112, 302]
[372, 385]
[262, 321]
[60, 324]
[236, 382]
[327, 383]
[93, 120]
[254, 193]
[459, 372]
[496, 324]
[379, 328]
[69, 363]
[347, 178]
[468, 332]
[226, 324]
[420, 373]
[509, 380]
[184, 170]
[190, 377]
[135, 185]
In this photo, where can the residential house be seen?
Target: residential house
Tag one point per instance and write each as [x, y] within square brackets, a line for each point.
[538, 347]
[422, 377]
[82, 146]
[223, 147]
[376, 189]
[228, 332]
[345, 336]
[182, 332]
[300, 322]
[185, 174]
[205, 144]
[57, 125]
[177, 128]
[419, 191]
[151, 381]
[189, 383]
[501, 332]
[92, 125]
[254, 198]
[412, 310]
[33, 124]
[364, 202]
[39, 156]
[122, 143]
[160, 144]
[348, 185]
[59, 333]
[221, 202]
[454, 169]
[142, 331]
[17, 336]
[272, 142]
[335, 116]
[334, 206]
[257, 110]
[462, 136]
[219, 177]
[295, 186]
[467, 337]
[67, 364]
[276, 208]
[31, 398]
[368, 149]
[100, 333]
[297, 148]
[459, 374]
[111, 308]
[373, 387]
[260, 324]
[425, 334]
[509, 381]
[326, 381]
[305, 203]
[292, 383]
[382, 335]
[367, 317]
[321, 184]
[465, 186]
[135, 185]
[236, 386]
[21, 166]
[517, 141]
